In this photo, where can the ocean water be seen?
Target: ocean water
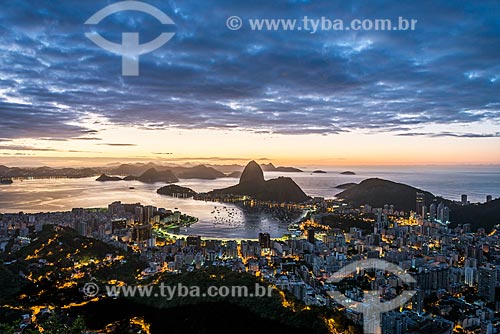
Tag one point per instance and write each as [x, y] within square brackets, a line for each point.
[447, 181]
[226, 220]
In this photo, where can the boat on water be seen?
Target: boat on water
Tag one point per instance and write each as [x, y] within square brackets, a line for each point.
[6, 180]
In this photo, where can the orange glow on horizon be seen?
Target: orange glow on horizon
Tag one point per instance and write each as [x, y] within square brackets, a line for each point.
[120, 144]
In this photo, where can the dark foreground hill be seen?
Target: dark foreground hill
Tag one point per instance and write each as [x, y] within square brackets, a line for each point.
[378, 192]
[252, 183]
[485, 215]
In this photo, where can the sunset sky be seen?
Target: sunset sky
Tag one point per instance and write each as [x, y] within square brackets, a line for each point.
[429, 96]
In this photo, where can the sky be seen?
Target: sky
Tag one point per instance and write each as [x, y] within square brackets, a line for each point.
[428, 96]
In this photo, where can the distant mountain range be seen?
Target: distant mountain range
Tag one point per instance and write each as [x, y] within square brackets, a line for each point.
[207, 172]
[47, 172]
[198, 172]
[149, 176]
[378, 192]
[152, 175]
[252, 183]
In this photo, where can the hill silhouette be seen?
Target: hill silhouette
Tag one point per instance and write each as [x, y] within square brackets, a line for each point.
[378, 192]
[152, 175]
[271, 168]
[173, 189]
[485, 215]
[346, 185]
[253, 184]
[106, 178]
[198, 172]
[133, 169]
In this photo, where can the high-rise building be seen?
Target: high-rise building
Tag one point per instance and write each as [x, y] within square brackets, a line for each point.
[139, 214]
[424, 211]
[310, 236]
[265, 240]
[470, 271]
[470, 274]
[116, 208]
[178, 260]
[487, 282]
[446, 214]
[464, 199]
[231, 249]
[148, 213]
[420, 202]
[443, 213]
[82, 228]
[466, 228]
[432, 279]
[432, 211]
[118, 224]
[194, 241]
[393, 323]
[487, 327]
[418, 301]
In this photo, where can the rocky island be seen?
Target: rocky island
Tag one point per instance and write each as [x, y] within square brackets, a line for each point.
[271, 168]
[6, 181]
[348, 172]
[253, 184]
[176, 191]
[107, 178]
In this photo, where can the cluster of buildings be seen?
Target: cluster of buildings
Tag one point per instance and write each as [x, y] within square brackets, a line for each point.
[457, 271]
[122, 225]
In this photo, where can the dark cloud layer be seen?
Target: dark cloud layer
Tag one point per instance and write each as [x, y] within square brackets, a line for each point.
[445, 72]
